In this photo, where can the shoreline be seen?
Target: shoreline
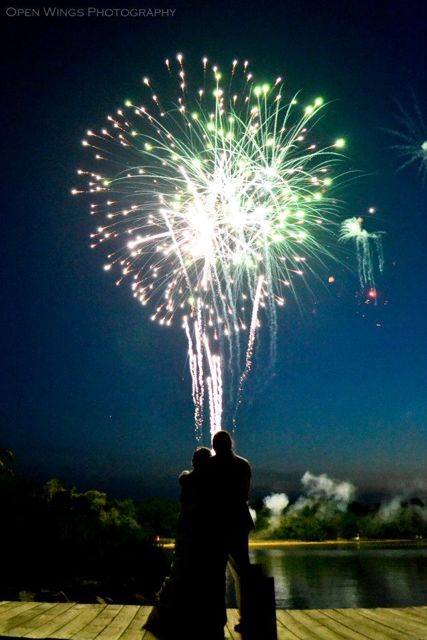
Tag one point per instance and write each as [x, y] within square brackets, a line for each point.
[301, 543]
[259, 544]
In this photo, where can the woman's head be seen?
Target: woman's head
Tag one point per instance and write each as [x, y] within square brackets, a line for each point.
[200, 456]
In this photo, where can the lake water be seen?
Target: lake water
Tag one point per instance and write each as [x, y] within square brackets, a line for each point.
[365, 575]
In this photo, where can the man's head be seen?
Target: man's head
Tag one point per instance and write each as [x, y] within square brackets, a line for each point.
[222, 443]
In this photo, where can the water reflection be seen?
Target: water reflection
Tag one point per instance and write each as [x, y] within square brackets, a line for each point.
[310, 577]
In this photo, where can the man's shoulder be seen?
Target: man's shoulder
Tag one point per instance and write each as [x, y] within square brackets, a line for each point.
[241, 461]
[229, 457]
[232, 461]
[244, 467]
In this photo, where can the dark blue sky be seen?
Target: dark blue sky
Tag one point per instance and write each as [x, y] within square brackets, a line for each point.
[96, 394]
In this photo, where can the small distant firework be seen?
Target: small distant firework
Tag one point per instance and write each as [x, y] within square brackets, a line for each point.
[366, 244]
[413, 137]
[216, 200]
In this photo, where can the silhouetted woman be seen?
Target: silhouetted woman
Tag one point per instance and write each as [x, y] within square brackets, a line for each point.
[190, 602]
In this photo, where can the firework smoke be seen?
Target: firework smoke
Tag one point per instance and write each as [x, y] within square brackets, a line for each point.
[327, 509]
[276, 503]
[322, 488]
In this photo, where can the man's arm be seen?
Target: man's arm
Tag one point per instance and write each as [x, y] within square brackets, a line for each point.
[244, 478]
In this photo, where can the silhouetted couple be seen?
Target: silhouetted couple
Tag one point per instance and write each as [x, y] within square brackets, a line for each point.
[213, 529]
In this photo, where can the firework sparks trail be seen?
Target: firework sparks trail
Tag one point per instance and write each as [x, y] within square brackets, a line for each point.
[216, 205]
[253, 328]
[412, 135]
[351, 229]
[251, 342]
[196, 375]
[214, 382]
[198, 330]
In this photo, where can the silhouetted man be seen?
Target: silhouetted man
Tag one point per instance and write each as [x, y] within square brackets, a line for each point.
[231, 476]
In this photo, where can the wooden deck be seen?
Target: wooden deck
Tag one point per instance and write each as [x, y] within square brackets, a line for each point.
[67, 621]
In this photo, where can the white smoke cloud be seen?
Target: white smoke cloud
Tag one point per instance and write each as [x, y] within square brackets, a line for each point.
[390, 509]
[321, 491]
[324, 488]
[325, 495]
[418, 486]
[276, 502]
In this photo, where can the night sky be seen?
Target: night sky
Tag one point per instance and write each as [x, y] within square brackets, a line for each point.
[93, 392]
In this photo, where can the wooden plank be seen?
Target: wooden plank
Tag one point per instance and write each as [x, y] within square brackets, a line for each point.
[233, 618]
[83, 615]
[408, 621]
[419, 612]
[411, 613]
[71, 621]
[229, 633]
[352, 625]
[135, 630]
[32, 624]
[120, 623]
[98, 624]
[15, 611]
[52, 624]
[396, 620]
[340, 627]
[18, 625]
[316, 624]
[294, 626]
[376, 629]
[8, 604]
[283, 632]
[21, 615]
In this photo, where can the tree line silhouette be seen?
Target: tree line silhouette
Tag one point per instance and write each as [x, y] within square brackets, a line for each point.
[60, 543]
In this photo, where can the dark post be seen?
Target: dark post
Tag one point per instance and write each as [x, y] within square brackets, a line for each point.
[259, 606]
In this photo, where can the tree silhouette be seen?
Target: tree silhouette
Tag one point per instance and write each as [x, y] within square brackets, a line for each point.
[6, 460]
